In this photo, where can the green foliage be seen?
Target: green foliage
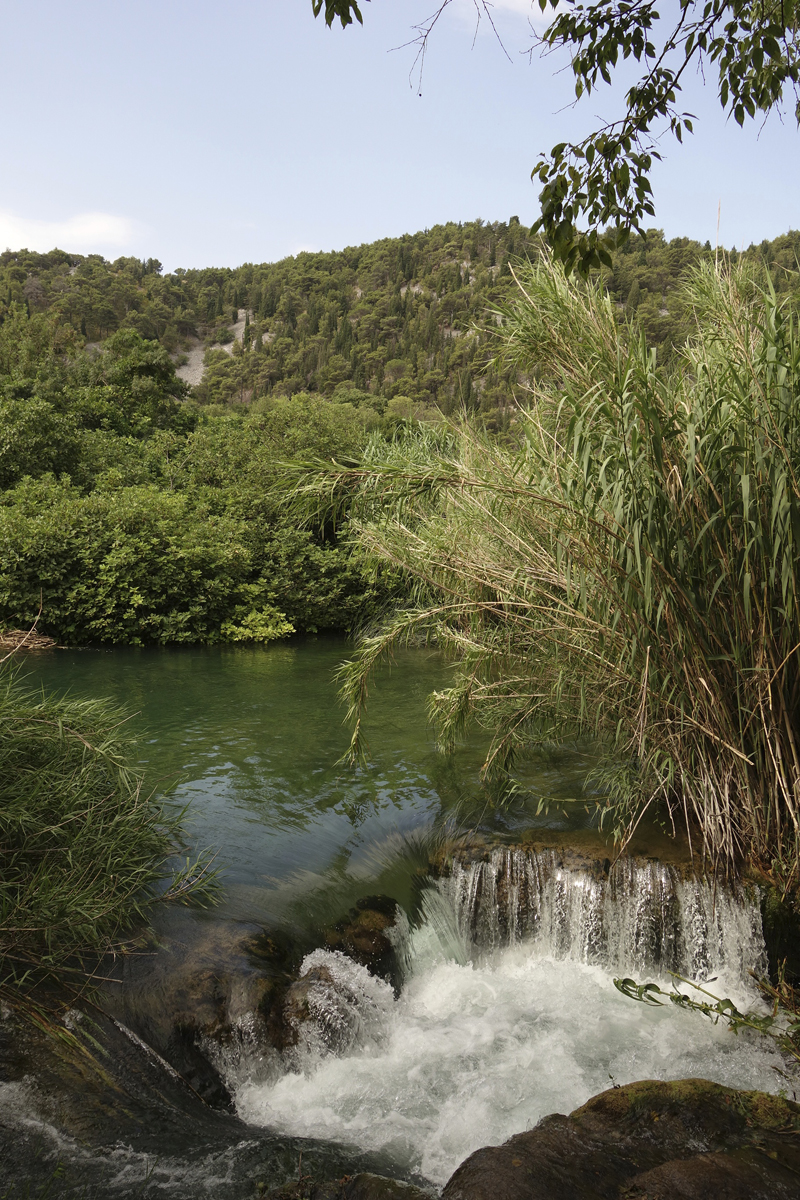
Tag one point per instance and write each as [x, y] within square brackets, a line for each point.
[630, 572]
[81, 845]
[132, 565]
[345, 10]
[781, 1025]
[34, 439]
[132, 519]
[129, 387]
[264, 625]
[402, 317]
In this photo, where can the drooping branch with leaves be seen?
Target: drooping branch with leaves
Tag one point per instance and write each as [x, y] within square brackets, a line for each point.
[596, 191]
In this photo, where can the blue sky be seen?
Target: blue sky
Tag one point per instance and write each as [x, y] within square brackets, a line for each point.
[213, 134]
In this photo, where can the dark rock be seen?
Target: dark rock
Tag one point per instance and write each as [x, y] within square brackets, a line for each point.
[780, 920]
[737, 1176]
[363, 935]
[376, 1187]
[356, 1187]
[216, 993]
[650, 1141]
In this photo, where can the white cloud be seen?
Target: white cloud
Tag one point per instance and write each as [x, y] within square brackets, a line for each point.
[92, 232]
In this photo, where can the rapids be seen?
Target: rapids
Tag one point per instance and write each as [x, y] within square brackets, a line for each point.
[509, 1012]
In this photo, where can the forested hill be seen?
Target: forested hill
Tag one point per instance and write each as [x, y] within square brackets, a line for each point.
[136, 509]
[390, 325]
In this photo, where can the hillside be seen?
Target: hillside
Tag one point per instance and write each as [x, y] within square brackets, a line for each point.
[394, 326]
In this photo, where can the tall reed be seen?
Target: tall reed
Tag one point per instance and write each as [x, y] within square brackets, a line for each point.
[629, 572]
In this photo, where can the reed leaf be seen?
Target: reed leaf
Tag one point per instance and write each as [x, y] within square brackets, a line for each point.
[627, 571]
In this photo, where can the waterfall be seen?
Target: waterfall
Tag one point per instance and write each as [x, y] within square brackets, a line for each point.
[508, 1009]
[640, 916]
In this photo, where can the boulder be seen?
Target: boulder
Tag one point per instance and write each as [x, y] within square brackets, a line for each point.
[352, 1187]
[334, 1005]
[687, 1140]
[364, 935]
[210, 1003]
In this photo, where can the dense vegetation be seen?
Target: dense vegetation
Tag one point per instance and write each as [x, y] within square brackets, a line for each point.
[386, 320]
[629, 570]
[136, 509]
[82, 846]
[129, 517]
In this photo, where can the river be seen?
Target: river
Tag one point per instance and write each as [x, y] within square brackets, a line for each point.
[493, 1028]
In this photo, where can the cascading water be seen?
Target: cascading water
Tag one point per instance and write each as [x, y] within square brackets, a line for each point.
[641, 916]
[508, 1011]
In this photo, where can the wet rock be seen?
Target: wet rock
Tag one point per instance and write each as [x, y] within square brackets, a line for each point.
[687, 1140]
[356, 1187]
[210, 1004]
[376, 1187]
[335, 1004]
[89, 1112]
[364, 936]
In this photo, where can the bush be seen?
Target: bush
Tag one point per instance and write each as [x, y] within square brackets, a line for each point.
[132, 565]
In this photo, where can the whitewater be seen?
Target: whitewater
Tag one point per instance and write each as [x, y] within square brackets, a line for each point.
[508, 1010]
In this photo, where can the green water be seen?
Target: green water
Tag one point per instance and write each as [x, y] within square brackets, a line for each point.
[251, 739]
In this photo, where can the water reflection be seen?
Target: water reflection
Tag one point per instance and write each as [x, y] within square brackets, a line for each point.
[253, 737]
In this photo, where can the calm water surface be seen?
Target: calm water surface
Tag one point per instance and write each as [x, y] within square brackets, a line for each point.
[253, 737]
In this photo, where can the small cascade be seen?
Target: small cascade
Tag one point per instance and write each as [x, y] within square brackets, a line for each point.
[642, 915]
[508, 1009]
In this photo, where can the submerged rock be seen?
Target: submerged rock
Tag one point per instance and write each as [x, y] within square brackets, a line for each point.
[686, 1140]
[365, 936]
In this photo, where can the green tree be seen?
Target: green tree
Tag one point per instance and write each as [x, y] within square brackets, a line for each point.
[130, 387]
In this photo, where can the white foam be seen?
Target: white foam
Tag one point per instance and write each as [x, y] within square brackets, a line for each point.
[472, 1053]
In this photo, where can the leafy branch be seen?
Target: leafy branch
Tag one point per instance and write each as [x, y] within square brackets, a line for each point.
[782, 1024]
[603, 181]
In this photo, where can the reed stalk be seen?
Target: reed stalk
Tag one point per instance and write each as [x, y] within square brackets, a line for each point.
[628, 572]
[82, 844]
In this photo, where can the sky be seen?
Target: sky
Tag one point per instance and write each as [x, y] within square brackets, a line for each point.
[208, 134]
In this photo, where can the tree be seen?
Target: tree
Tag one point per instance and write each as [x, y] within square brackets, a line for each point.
[753, 47]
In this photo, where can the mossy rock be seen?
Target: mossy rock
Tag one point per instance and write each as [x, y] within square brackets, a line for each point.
[685, 1140]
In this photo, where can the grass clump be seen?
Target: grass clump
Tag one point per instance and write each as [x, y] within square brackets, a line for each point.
[82, 846]
[628, 571]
